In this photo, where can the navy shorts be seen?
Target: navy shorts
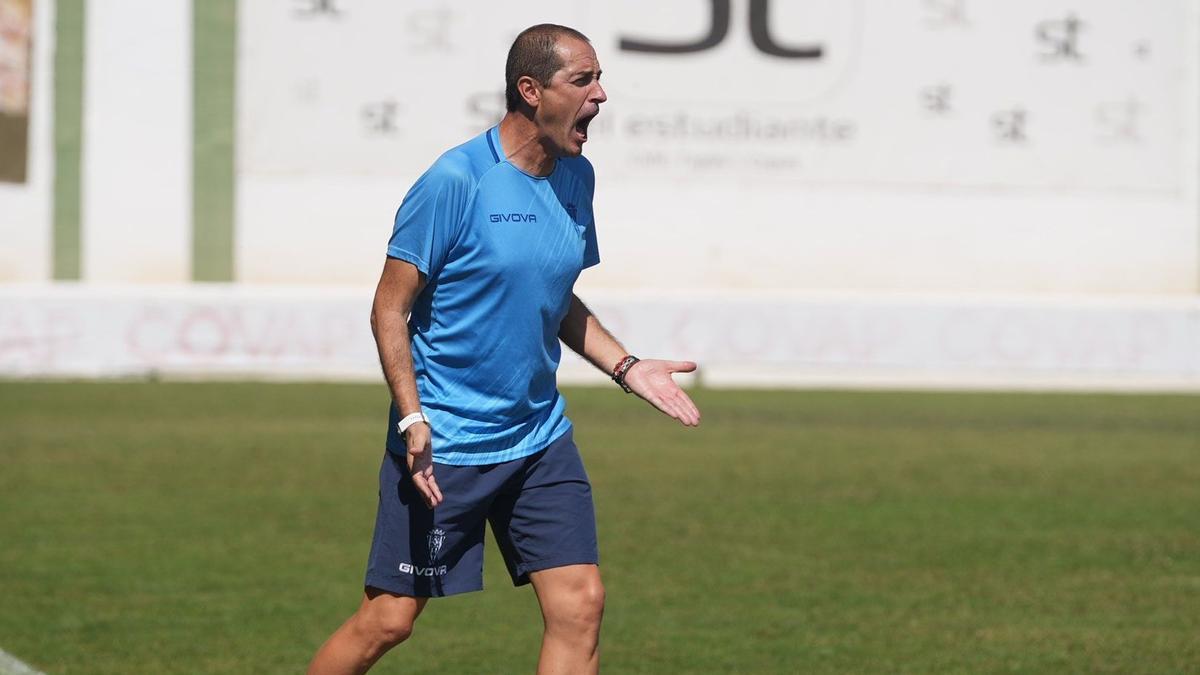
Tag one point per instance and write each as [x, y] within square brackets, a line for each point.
[540, 508]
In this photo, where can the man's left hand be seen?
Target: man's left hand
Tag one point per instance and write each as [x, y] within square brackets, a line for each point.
[651, 379]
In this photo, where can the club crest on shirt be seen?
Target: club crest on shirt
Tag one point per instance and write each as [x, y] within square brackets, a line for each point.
[436, 538]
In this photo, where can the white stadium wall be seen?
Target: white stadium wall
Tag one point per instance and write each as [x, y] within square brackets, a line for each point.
[951, 193]
[136, 201]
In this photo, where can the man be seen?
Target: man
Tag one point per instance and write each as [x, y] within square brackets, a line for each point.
[475, 295]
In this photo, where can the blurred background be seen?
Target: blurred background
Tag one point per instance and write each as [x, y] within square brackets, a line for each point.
[939, 193]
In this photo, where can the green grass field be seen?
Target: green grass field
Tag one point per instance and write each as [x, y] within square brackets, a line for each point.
[223, 528]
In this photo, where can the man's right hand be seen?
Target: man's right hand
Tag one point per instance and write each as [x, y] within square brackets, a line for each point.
[420, 463]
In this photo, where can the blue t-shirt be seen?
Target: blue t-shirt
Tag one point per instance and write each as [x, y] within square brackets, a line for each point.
[500, 250]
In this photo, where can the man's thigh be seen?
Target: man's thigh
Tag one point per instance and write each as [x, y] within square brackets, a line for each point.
[566, 587]
[422, 552]
[545, 518]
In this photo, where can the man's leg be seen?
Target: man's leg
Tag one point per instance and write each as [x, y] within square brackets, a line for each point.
[383, 621]
[572, 600]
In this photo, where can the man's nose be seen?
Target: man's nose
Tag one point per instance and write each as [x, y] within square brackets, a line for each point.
[598, 94]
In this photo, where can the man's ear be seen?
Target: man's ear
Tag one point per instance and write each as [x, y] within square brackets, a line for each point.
[530, 90]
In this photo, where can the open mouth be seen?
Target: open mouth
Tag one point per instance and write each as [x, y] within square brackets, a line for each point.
[581, 125]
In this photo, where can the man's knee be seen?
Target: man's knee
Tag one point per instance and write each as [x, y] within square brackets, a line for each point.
[591, 602]
[387, 620]
[580, 610]
[390, 630]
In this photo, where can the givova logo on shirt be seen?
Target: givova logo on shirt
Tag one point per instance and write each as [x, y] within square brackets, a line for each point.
[513, 217]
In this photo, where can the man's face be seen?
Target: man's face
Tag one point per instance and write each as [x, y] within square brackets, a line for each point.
[571, 99]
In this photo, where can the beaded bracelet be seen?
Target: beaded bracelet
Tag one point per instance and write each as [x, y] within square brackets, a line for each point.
[622, 367]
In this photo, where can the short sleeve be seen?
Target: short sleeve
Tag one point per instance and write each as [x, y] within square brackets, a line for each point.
[429, 217]
[591, 249]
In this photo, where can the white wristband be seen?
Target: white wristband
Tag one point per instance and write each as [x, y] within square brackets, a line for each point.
[410, 420]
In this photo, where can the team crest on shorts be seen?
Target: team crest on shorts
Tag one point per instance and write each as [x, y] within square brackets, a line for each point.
[436, 538]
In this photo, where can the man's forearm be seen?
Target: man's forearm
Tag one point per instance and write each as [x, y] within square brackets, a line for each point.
[651, 379]
[395, 357]
[583, 333]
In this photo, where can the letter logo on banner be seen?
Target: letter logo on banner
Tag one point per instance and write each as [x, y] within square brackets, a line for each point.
[760, 34]
[1061, 39]
[669, 52]
[381, 117]
[1010, 125]
[936, 99]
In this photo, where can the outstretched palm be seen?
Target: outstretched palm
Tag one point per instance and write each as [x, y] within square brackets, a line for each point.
[651, 379]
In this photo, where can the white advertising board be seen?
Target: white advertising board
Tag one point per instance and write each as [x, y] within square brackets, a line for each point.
[1030, 93]
[214, 331]
[868, 145]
